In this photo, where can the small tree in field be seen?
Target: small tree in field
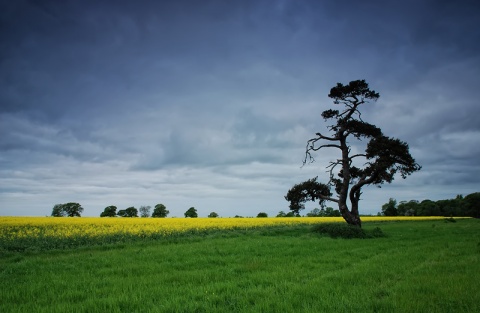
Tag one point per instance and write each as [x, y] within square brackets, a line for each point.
[57, 210]
[390, 208]
[382, 158]
[213, 215]
[192, 212]
[109, 211]
[160, 211]
[144, 211]
[262, 214]
[131, 212]
[71, 209]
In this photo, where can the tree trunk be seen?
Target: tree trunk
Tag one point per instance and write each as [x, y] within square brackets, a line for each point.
[351, 217]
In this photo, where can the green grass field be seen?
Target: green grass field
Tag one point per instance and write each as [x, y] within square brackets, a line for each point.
[429, 266]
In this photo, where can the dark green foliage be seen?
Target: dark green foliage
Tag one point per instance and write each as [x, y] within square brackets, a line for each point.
[387, 156]
[460, 206]
[472, 205]
[309, 190]
[213, 215]
[129, 212]
[160, 211]
[327, 212]
[347, 231]
[109, 211]
[192, 212]
[357, 89]
[71, 209]
[58, 211]
[289, 214]
[262, 214]
[390, 208]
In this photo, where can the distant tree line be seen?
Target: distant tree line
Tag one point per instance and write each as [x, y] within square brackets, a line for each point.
[73, 209]
[460, 206]
[323, 212]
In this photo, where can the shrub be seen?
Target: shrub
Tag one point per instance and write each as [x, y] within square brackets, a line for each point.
[342, 230]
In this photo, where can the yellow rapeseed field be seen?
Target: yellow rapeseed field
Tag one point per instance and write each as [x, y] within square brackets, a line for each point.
[66, 227]
[45, 233]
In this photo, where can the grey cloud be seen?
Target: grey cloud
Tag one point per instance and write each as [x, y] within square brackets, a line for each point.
[185, 99]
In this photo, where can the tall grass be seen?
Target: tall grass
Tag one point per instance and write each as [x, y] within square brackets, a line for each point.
[430, 266]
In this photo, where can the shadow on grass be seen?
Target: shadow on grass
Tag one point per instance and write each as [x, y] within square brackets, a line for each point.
[346, 231]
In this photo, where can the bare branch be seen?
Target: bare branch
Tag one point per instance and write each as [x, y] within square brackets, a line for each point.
[358, 155]
[330, 199]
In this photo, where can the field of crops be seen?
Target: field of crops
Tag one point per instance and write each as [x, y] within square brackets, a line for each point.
[45, 233]
[237, 265]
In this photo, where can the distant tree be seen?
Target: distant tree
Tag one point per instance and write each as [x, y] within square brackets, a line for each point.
[109, 211]
[144, 211]
[160, 211]
[238, 216]
[331, 212]
[213, 215]
[262, 214]
[122, 213]
[281, 214]
[191, 213]
[409, 208]
[383, 156]
[428, 208]
[131, 212]
[316, 213]
[71, 209]
[390, 208]
[58, 211]
[472, 205]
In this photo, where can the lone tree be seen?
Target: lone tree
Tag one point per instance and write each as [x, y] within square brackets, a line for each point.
[382, 159]
[160, 211]
[192, 212]
[128, 212]
[109, 211]
[144, 211]
[131, 212]
[71, 209]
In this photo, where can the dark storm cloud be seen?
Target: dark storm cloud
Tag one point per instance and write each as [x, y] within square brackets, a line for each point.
[134, 98]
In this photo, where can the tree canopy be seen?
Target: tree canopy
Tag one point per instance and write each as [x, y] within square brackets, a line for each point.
[128, 212]
[160, 210]
[71, 209]
[109, 211]
[144, 211]
[383, 157]
[460, 206]
[192, 212]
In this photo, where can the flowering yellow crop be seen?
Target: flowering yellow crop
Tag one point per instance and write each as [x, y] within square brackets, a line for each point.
[27, 231]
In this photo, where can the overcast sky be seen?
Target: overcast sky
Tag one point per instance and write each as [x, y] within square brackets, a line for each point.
[210, 103]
